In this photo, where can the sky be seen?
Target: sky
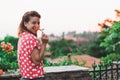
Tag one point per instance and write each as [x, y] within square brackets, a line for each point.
[57, 15]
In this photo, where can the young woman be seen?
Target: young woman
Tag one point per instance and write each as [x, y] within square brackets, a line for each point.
[30, 51]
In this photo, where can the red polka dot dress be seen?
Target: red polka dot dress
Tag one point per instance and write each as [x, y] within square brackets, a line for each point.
[27, 42]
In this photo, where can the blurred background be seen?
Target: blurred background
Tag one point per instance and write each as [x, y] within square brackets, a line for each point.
[79, 30]
[61, 15]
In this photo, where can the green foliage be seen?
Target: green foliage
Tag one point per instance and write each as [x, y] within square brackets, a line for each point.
[62, 63]
[8, 60]
[94, 48]
[111, 57]
[106, 62]
[107, 42]
[112, 40]
[62, 48]
[65, 62]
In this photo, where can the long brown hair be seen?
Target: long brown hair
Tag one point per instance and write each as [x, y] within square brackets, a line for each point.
[26, 18]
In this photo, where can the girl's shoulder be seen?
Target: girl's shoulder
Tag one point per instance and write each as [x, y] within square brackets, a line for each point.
[29, 35]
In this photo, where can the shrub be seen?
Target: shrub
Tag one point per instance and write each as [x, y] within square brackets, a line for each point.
[62, 48]
[8, 60]
[8, 57]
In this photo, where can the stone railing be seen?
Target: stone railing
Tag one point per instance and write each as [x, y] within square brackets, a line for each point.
[57, 73]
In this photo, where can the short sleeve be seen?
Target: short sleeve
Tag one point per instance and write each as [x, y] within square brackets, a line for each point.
[32, 43]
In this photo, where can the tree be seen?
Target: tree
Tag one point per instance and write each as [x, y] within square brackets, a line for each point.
[112, 40]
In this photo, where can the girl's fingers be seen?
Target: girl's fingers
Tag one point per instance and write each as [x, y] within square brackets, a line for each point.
[44, 36]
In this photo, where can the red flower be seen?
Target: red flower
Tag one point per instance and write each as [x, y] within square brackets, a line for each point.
[7, 47]
[37, 28]
[106, 24]
[1, 72]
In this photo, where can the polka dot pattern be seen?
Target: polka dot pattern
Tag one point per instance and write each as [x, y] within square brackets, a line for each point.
[27, 42]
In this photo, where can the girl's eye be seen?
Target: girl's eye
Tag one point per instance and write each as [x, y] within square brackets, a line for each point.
[36, 23]
[33, 22]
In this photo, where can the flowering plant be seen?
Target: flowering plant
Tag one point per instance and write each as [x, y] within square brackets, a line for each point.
[106, 24]
[8, 57]
[7, 47]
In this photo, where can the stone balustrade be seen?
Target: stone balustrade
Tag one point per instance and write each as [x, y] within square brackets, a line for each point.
[56, 73]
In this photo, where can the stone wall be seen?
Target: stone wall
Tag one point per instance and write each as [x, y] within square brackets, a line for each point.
[74, 75]
[57, 73]
[67, 73]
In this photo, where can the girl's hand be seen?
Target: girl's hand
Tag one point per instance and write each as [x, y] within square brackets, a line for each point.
[44, 39]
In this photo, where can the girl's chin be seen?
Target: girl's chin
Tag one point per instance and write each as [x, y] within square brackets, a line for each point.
[34, 33]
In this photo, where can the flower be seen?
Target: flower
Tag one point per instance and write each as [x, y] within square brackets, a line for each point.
[3, 45]
[1, 72]
[38, 28]
[7, 47]
[106, 24]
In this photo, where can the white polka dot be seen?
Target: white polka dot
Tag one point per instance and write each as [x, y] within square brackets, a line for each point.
[30, 67]
[30, 72]
[25, 43]
[20, 57]
[27, 47]
[30, 37]
[29, 51]
[24, 54]
[27, 57]
[33, 64]
[27, 69]
[35, 44]
[31, 42]
[22, 62]
[33, 69]
[38, 71]
[24, 49]
[25, 76]
[23, 40]
[31, 46]
[36, 74]
[26, 38]
[39, 47]
[28, 75]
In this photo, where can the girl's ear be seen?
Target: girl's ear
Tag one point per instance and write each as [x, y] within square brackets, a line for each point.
[25, 24]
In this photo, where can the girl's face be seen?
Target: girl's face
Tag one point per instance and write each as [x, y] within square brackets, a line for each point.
[32, 23]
